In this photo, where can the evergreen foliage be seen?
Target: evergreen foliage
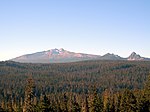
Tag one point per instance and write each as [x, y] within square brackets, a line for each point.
[118, 87]
[128, 102]
[29, 94]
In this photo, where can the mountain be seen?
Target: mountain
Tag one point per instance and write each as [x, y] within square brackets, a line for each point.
[135, 56]
[109, 56]
[63, 56]
[54, 56]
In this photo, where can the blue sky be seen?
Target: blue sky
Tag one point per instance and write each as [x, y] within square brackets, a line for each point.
[87, 26]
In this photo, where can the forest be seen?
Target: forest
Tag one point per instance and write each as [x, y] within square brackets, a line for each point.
[88, 86]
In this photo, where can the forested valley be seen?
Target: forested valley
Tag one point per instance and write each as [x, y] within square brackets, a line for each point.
[89, 86]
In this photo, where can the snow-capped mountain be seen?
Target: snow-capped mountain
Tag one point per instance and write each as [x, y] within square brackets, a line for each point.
[54, 56]
[63, 56]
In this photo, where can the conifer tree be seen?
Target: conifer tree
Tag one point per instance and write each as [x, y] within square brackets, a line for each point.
[128, 102]
[106, 101]
[64, 105]
[29, 94]
[112, 105]
[57, 107]
[144, 103]
[147, 90]
[117, 100]
[9, 107]
[96, 103]
[44, 104]
[85, 105]
[75, 105]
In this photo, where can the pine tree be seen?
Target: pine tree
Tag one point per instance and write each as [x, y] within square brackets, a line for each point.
[117, 100]
[75, 105]
[85, 105]
[29, 94]
[106, 101]
[112, 105]
[147, 92]
[96, 103]
[144, 103]
[64, 104]
[44, 104]
[9, 107]
[57, 107]
[128, 102]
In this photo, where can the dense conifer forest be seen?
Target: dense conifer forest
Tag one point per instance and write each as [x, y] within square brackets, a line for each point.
[89, 86]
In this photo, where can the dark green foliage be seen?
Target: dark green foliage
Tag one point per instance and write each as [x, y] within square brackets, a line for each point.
[9, 107]
[73, 77]
[64, 103]
[85, 105]
[147, 89]
[144, 103]
[128, 102]
[29, 94]
[45, 105]
[69, 87]
[74, 107]
[96, 103]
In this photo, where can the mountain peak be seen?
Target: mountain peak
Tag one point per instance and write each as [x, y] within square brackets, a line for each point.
[55, 51]
[135, 56]
[133, 53]
[110, 56]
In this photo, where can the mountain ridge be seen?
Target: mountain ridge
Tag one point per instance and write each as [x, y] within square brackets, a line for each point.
[62, 56]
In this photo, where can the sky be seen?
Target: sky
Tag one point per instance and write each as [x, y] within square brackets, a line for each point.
[83, 26]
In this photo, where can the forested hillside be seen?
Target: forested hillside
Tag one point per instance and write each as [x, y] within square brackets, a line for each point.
[95, 86]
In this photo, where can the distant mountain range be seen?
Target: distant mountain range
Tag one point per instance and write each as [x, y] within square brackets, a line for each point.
[63, 56]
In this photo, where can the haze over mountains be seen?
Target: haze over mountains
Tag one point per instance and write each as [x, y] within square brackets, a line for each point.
[63, 56]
